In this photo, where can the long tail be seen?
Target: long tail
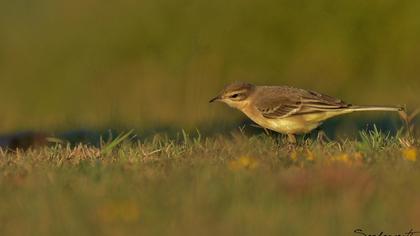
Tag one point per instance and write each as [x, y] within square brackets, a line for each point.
[376, 108]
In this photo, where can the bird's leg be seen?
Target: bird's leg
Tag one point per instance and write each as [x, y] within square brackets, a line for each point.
[322, 137]
[291, 142]
[291, 138]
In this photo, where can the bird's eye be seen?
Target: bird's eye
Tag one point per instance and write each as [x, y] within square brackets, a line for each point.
[234, 95]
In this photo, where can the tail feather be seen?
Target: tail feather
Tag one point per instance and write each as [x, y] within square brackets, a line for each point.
[377, 108]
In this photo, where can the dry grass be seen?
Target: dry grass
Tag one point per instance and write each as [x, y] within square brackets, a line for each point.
[226, 185]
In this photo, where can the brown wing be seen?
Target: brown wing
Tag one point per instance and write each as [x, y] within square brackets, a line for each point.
[315, 100]
[280, 102]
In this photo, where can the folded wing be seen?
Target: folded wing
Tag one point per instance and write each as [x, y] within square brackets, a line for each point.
[280, 102]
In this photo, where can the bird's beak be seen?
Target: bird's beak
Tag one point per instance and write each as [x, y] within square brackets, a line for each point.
[215, 99]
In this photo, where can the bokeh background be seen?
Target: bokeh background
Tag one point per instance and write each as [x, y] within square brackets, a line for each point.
[96, 64]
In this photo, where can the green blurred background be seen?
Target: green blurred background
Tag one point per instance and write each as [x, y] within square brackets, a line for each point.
[94, 64]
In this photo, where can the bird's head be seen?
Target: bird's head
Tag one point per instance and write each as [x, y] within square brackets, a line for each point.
[235, 94]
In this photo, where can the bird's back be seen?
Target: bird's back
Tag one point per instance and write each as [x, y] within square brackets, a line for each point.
[286, 93]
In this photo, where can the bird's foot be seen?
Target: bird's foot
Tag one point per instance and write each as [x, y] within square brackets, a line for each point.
[291, 147]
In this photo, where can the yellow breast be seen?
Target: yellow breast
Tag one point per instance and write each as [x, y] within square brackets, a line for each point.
[290, 125]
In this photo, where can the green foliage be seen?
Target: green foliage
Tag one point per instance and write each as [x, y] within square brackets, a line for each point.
[374, 139]
[112, 144]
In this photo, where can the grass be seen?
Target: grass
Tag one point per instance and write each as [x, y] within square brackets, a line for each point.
[227, 185]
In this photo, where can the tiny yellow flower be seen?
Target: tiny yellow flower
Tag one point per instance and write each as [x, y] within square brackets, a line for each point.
[293, 155]
[410, 154]
[310, 156]
[358, 158]
[343, 158]
[244, 162]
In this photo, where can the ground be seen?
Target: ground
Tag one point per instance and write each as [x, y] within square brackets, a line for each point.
[235, 184]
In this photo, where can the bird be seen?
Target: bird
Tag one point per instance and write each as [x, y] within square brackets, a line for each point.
[288, 110]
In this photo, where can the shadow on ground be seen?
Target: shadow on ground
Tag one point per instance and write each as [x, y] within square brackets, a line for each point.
[337, 128]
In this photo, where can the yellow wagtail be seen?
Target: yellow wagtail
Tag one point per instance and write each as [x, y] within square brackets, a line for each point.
[287, 110]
